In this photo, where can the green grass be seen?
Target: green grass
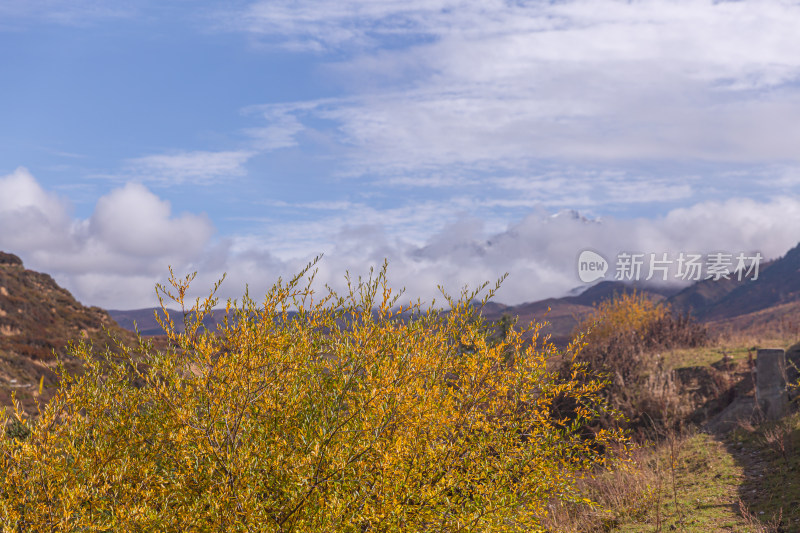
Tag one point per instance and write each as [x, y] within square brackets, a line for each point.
[702, 356]
[693, 484]
[738, 348]
[703, 495]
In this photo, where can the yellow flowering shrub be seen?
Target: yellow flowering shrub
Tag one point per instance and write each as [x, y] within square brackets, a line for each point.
[307, 413]
[625, 313]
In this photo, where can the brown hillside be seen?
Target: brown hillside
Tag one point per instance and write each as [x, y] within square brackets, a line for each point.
[38, 319]
[779, 284]
[777, 322]
[562, 315]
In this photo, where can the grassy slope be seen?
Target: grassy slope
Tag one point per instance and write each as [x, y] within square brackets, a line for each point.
[746, 481]
[703, 495]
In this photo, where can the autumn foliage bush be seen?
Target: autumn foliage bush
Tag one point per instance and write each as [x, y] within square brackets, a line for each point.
[307, 413]
[624, 338]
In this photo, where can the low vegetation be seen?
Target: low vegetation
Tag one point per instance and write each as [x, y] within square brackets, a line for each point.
[343, 417]
[682, 478]
[327, 412]
[625, 341]
[683, 483]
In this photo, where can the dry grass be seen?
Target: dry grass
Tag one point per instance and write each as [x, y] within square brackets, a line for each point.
[695, 482]
[628, 490]
[771, 491]
[683, 483]
[756, 525]
[756, 332]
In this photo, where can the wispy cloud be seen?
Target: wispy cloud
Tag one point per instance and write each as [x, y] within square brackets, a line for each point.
[498, 84]
[582, 189]
[197, 167]
[317, 25]
[282, 125]
[66, 12]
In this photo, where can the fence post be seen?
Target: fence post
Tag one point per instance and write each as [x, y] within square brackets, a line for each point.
[771, 394]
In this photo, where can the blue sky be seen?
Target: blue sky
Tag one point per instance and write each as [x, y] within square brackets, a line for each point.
[457, 138]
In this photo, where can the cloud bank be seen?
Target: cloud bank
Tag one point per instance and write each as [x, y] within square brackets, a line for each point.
[112, 258]
[115, 257]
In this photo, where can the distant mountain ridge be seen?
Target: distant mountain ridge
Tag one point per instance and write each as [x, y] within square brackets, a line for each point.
[708, 300]
[144, 320]
[563, 315]
[775, 293]
[778, 283]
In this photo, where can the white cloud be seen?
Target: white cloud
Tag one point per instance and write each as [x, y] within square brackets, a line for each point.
[426, 246]
[115, 257]
[121, 249]
[21, 192]
[134, 221]
[29, 215]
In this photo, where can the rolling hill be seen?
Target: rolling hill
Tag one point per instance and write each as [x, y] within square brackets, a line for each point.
[38, 319]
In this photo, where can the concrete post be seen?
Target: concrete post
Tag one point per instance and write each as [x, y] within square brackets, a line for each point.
[771, 394]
